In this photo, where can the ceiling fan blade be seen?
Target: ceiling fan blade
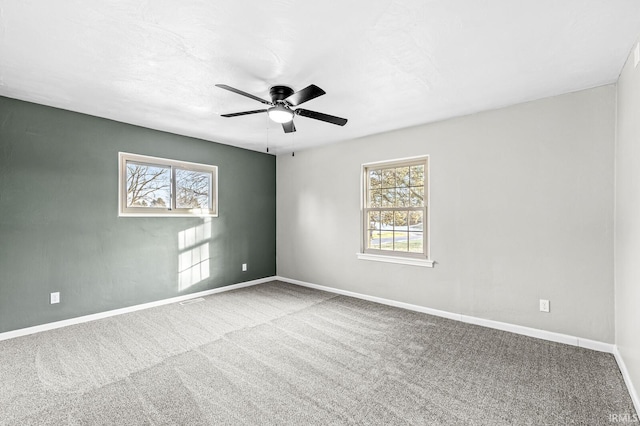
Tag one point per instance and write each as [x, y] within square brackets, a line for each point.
[322, 117]
[289, 127]
[310, 92]
[236, 114]
[240, 92]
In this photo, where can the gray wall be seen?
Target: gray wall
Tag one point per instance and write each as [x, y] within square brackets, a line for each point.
[59, 229]
[521, 209]
[627, 235]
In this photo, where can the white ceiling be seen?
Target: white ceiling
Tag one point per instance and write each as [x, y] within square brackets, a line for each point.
[385, 64]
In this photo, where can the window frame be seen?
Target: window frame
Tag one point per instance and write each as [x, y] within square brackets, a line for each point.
[171, 210]
[393, 256]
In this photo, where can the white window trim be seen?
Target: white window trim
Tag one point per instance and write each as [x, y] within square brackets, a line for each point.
[398, 258]
[427, 263]
[123, 157]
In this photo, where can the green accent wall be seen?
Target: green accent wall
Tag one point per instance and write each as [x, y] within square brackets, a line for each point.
[60, 230]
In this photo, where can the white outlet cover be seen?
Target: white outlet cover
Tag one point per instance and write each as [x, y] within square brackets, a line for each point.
[244, 267]
[55, 297]
[544, 305]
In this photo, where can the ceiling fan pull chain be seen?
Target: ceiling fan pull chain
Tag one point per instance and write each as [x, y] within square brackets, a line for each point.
[267, 129]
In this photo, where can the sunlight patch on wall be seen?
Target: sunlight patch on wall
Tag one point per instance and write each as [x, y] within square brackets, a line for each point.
[194, 255]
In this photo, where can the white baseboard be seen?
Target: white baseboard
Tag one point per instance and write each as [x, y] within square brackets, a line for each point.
[86, 318]
[380, 300]
[627, 379]
[518, 329]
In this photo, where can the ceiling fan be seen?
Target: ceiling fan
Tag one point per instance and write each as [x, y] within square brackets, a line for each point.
[282, 100]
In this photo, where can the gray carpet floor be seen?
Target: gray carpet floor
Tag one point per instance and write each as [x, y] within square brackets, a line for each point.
[279, 354]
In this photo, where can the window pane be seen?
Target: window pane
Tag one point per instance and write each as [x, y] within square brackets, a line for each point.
[388, 197]
[388, 178]
[375, 177]
[415, 221]
[402, 197]
[417, 196]
[148, 186]
[416, 242]
[192, 189]
[401, 241]
[374, 239]
[386, 240]
[386, 220]
[417, 175]
[375, 198]
[401, 222]
[402, 176]
[374, 220]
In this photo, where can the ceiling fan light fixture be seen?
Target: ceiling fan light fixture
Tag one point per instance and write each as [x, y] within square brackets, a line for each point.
[280, 114]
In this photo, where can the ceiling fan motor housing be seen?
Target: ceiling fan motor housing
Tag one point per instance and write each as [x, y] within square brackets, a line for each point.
[279, 93]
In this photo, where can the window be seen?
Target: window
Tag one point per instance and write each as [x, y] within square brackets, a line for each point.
[395, 211]
[151, 186]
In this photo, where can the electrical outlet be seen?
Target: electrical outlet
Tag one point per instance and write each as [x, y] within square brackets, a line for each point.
[244, 267]
[544, 305]
[55, 297]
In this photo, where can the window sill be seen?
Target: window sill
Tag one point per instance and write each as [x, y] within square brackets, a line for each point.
[166, 215]
[392, 259]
